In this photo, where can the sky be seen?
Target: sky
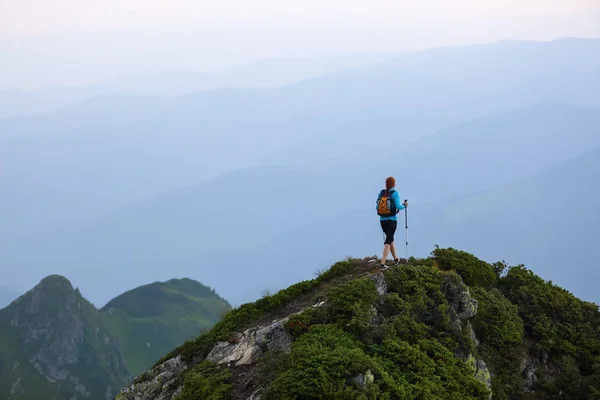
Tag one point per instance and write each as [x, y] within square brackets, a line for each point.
[25, 18]
[66, 42]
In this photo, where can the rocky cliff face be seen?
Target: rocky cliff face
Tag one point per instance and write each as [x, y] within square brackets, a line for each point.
[244, 351]
[56, 345]
[66, 340]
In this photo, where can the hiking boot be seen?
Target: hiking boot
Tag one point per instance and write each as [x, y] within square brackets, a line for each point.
[383, 267]
[397, 261]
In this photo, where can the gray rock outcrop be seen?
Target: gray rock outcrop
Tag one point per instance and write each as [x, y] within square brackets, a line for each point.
[528, 371]
[380, 284]
[365, 379]
[247, 347]
[482, 374]
[160, 383]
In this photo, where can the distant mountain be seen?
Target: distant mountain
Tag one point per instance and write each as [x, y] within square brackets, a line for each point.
[242, 221]
[424, 90]
[56, 345]
[92, 158]
[108, 152]
[146, 317]
[266, 73]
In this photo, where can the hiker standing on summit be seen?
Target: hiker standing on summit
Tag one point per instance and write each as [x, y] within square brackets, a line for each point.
[388, 205]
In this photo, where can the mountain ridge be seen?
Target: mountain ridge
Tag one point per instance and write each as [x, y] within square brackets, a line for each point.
[177, 83]
[56, 345]
[449, 326]
[135, 149]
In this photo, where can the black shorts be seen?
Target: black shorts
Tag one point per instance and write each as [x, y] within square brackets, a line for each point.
[389, 228]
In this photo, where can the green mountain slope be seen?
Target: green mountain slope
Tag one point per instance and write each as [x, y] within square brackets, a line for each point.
[54, 344]
[450, 326]
[63, 346]
[154, 318]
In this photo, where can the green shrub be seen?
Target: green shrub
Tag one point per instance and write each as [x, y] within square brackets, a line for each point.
[407, 342]
[323, 363]
[562, 327]
[500, 331]
[208, 382]
[351, 305]
[497, 321]
[473, 271]
[299, 324]
[428, 370]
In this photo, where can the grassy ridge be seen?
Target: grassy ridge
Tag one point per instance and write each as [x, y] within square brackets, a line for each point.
[407, 346]
[152, 319]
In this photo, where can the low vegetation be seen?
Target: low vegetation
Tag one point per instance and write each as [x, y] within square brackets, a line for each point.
[406, 344]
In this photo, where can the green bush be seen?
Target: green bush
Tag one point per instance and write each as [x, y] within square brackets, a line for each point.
[324, 362]
[497, 321]
[406, 344]
[208, 382]
[561, 327]
[473, 271]
[500, 331]
[351, 305]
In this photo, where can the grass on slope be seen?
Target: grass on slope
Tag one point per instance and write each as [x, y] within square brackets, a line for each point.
[152, 319]
[409, 348]
[239, 318]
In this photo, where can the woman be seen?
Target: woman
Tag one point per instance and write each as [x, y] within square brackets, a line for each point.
[388, 205]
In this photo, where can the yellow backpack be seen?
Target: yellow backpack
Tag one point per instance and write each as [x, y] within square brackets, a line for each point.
[386, 206]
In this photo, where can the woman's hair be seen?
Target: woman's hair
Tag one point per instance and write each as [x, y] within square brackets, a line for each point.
[390, 182]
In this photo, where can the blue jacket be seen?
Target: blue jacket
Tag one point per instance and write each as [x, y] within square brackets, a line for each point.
[399, 206]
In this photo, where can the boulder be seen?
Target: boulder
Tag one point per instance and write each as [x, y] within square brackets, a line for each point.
[247, 347]
[160, 383]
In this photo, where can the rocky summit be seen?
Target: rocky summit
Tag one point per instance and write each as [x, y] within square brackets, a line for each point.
[450, 326]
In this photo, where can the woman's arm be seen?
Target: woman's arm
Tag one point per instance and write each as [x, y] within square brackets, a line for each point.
[399, 204]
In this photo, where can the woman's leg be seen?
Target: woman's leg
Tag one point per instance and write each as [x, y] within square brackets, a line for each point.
[388, 228]
[390, 239]
[386, 250]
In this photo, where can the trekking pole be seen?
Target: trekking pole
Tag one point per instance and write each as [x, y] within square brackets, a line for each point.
[406, 229]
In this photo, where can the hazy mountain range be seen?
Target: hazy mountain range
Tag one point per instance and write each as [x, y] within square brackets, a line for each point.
[103, 154]
[225, 185]
[79, 58]
[240, 222]
[267, 73]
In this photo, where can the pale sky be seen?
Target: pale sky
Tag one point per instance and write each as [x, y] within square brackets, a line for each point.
[76, 42]
[23, 18]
